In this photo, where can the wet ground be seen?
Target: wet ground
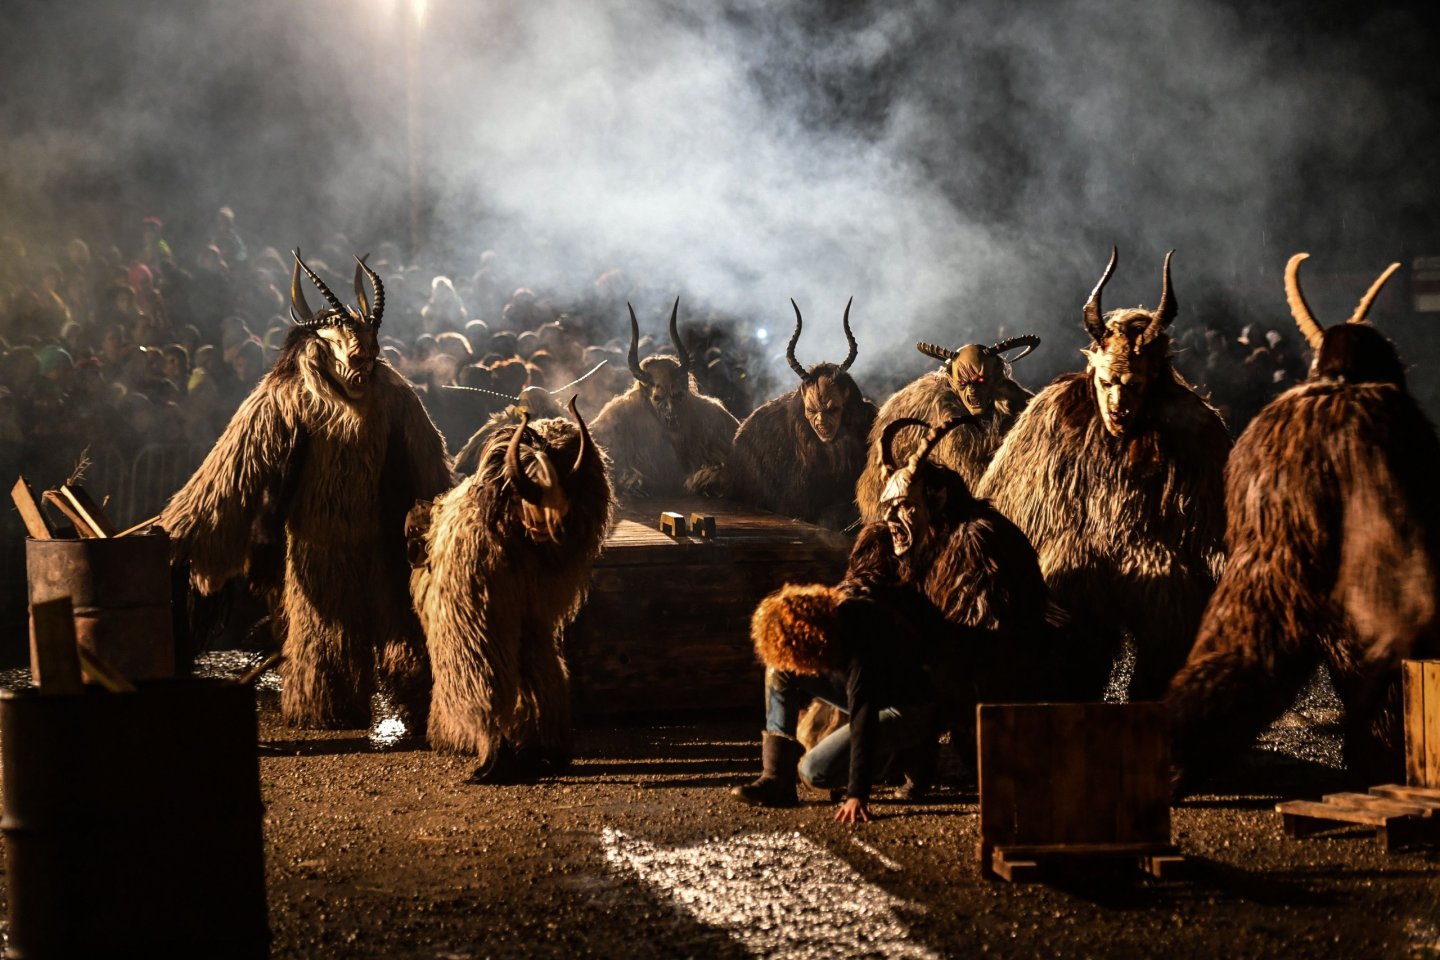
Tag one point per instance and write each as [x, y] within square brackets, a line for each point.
[376, 848]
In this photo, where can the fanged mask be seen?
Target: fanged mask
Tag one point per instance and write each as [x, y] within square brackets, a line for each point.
[351, 337]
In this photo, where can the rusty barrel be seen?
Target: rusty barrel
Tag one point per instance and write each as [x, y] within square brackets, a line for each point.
[120, 589]
[133, 822]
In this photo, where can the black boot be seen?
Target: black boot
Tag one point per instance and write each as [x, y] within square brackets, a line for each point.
[776, 785]
[919, 764]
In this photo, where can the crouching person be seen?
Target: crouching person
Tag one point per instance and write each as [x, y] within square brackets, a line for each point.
[864, 653]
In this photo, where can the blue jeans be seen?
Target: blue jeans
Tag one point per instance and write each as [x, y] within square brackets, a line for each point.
[827, 764]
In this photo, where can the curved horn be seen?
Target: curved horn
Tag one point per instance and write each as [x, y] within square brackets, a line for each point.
[1299, 309]
[1094, 316]
[585, 443]
[377, 310]
[675, 339]
[1365, 302]
[936, 433]
[529, 490]
[300, 312]
[888, 435]
[360, 297]
[939, 353]
[330, 298]
[849, 337]
[635, 370]
[794, 339]
[1028, 340]
[1169, 305]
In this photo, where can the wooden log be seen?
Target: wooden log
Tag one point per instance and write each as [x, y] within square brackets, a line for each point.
[1336, 813]
[1370, 801]
[56, 653]
[81, 502]
[82, 528]
[142, 525]
[35, 523]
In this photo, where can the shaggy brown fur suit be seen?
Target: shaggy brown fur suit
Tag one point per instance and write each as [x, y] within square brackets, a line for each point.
[1130, 532]
[1334, 537]
[331, 479]
[493, 597]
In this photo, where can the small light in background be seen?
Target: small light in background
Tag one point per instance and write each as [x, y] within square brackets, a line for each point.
[762, 334]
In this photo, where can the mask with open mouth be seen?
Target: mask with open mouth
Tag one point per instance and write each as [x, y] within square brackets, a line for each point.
[351, 337]
[904, 503]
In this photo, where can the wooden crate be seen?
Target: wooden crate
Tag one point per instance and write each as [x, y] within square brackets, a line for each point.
[1074, 782]
[1422, 722]
[666, 627]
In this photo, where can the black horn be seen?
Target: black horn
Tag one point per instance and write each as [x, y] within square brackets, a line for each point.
[794, 339]
[1094, 316]
[849, 338]
[584, 436]
[675, 339]
[300, 312]
[525, 485]
[635, 370]
[936, 434]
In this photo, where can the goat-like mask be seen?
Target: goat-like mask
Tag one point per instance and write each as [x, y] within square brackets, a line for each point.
[904, 503]
[824, 391]
[543, 501]
[977, 371]
[351, 337]
[1353, 350]
[665, 381]
[1130, 351]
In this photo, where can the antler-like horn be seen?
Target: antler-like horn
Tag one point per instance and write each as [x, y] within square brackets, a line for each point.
[794, 339]
[1028, 340]
[330, 298]
[888, 434]
[1094, 316]
[936, 433]
[939, 353]
[584, 436]
[1299, 309]
[525, 485]
[375, 312]
[1365, 302]
[635, 370]
[675, 339]
[849, 337]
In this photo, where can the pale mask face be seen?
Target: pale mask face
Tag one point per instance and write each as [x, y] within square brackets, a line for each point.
[905, 512]
[352, 352]
[824, 401]
[1120, 387]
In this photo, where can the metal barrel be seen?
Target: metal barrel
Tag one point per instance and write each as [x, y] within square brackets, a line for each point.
[133, 822]
[120, 589]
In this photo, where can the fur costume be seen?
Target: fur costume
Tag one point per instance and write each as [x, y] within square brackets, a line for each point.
[800, 454]
[1116, 476]
[1334, 537]
[305, 493]
[662, 436]
[502, 563]
[975, 383]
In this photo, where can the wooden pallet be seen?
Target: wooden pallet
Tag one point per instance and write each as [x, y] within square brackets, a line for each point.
[1024, 864]
[1402, 816]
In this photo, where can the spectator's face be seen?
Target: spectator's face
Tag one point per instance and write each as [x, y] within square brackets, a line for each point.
[173, 368]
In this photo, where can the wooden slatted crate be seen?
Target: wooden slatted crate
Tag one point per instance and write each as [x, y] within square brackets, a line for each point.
[1074, 782]
[1422, 722]
[666, 626]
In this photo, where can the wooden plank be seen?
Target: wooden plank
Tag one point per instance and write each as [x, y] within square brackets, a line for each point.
[1429, 796]
[1367, 801]
[1146, 764]
[82, 529]
[89, 509]
[35, 523]
[1083, 799]
[1431, 671]
[1414, 700]
[1080, 851]
[56, 658]
[100, 670]
[1333, 812]
[994, 734]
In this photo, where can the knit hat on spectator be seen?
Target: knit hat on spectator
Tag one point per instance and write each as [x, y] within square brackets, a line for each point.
[52, 357]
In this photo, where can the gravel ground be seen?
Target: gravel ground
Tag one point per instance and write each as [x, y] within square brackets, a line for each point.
[377, 848]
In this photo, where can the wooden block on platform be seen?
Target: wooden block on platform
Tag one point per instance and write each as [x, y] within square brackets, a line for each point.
[702, 525]
[1422, 722]
[673, 524]
[1072, 780]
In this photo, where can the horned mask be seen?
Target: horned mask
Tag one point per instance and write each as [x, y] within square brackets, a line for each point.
[1352, 351]
[824, 390]
[665, 381]
[1130, 351]
[351, 336]
[543, 501]
[904, 503]
[976, 371]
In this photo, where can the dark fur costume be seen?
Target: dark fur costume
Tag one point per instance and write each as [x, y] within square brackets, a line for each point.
[1129, 531]
[967, 449]
[497, 577]
[305, 493]
[779, 464]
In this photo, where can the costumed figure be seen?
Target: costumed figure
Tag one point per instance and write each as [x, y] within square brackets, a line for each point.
[501, 565]
[975, 381]
[1334, 539]
[305, 493]
[1117, 477]
[537, 403]
[800, 454]
[662, 435]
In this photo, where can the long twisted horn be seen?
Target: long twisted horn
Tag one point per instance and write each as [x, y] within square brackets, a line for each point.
[585, 443]
[1094, 317]
[300, 312]
[1299, 309]
[888, 434]
[330, 298]
[849, 337]
[525, 485]
[939, 353]
[1028, 340]
[635, 370]
[378, 311]
[794, 339]
[675, 339]
[1364, 308]
[936, 433]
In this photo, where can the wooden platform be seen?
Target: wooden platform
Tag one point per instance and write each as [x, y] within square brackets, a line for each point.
[666, 627]
[1402, 816]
